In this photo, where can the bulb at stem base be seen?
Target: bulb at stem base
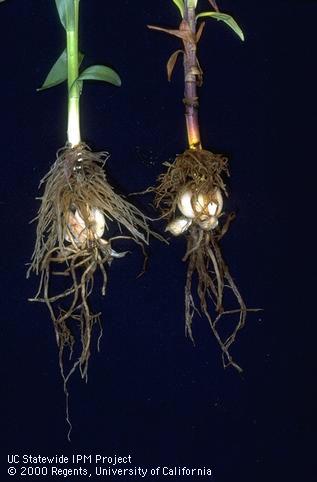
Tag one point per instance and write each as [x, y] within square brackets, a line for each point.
[79, 231]
[202, 208]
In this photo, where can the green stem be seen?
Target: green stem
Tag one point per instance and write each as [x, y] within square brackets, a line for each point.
[73, 129]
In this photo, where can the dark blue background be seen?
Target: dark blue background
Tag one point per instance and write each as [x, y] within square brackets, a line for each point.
[150, 392]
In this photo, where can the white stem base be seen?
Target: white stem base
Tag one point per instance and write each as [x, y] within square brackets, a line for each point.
[73, 130]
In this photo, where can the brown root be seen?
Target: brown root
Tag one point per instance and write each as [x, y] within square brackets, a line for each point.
[77, 181]
[65, 251]
[205, 261]
[203, 171]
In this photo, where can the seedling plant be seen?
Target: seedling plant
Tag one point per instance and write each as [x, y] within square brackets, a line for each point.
[190, 194]
[77, 208]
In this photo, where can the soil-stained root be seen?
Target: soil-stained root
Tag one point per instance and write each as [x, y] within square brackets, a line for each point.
[77, 206]
[189, 196]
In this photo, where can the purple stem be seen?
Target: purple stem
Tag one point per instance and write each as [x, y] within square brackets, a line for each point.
[190, 77]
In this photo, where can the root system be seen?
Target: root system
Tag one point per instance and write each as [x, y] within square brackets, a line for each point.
[201, 169]
[207, 274]
[69, 246]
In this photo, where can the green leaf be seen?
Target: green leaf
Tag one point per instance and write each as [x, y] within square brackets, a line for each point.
[58, 72]
[224, 17]
[180, 5]
[100, 72]
[66, 12]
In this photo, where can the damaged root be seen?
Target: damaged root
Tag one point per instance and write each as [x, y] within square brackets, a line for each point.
[205, 261]
[198, 175]
[202, 169]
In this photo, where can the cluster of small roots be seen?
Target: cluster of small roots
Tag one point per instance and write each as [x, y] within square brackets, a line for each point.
[201, 169]
[69, 246]
[204, 172]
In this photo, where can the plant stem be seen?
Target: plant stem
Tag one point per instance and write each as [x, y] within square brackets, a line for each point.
[190, 76]
[73, 129]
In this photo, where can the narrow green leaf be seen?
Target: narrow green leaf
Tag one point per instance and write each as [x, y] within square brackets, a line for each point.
[60, 5]
[224, 17]
[100, 72]
[180, 5]
[66, 12]
[58, 72]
